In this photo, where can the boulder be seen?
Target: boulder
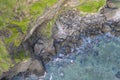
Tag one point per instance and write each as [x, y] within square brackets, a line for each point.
[31, 66]
[36, 67]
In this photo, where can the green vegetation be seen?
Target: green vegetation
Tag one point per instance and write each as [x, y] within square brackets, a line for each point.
[47, 30]
[22, 55]
[5, 61]
[6, 12]
[91, 5]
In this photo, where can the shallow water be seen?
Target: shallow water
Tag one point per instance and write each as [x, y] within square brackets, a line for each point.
[97, 59]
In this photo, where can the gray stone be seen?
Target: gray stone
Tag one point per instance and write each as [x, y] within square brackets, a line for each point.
[36, 68]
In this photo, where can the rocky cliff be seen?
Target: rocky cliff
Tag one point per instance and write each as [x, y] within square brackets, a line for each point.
[34, 36]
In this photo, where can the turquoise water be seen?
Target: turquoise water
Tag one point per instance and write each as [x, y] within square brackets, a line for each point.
[97, 59]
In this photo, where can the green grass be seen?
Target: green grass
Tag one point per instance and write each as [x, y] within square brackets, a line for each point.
[91, 6]
[39, 7]
[6, 11]
[5, 61]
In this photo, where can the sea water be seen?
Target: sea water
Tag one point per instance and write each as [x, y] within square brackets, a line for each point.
[97, 58]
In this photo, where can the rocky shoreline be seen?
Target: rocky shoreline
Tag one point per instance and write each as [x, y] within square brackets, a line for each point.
[66, 33]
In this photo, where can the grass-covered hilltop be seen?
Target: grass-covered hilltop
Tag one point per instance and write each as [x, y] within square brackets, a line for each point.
[19, 17]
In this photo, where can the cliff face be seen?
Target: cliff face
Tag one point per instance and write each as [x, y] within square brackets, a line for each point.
[38, 29]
